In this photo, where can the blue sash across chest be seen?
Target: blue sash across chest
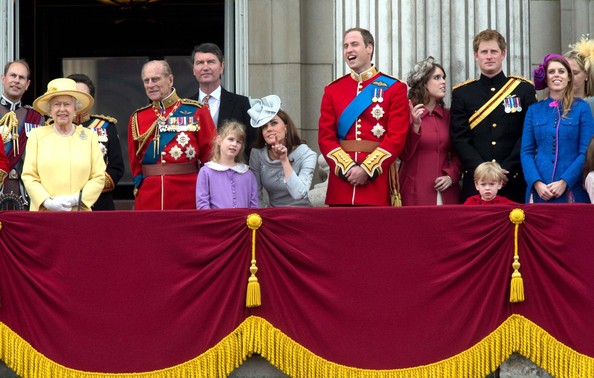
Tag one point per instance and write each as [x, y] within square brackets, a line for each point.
[361, 102]
[183, 114]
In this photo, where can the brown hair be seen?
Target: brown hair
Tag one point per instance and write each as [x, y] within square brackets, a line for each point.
[293, 139]
[367, 37]
[568, 95]
[208, 47]
[489, 35]
[418, 91]
[21, 61]
[229, 127]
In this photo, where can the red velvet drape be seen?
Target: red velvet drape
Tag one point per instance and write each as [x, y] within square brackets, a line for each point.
[374, 288]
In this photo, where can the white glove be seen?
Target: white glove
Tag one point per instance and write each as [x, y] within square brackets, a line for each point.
[72, 200]
[57, 204]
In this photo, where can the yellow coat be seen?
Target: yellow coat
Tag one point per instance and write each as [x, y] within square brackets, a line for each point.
[57, 165]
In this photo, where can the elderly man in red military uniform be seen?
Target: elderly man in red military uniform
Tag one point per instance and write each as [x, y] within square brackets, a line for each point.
[363, 126]
[167, 142]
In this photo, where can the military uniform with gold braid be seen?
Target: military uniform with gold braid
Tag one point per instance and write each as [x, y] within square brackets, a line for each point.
[112, 154]
[487, 119]
[16, 121]
[167, 142]
[371, 136]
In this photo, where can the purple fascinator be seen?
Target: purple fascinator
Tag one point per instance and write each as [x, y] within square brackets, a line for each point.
[540, 73]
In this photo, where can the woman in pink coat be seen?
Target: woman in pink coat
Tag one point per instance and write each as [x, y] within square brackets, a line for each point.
[429, 169]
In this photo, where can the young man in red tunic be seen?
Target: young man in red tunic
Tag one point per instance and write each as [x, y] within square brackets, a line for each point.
[362, 127]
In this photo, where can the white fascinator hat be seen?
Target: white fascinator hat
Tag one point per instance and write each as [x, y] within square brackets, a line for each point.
[263, 110]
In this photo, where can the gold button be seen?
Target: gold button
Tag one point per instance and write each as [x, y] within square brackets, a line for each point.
[492, 89]
[494, 125]
[493, 143]
[494, 160]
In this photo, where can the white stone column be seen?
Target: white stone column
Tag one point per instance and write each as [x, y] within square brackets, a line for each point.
[576, 19]
[7, 17]
[236, 78]
[407, 31]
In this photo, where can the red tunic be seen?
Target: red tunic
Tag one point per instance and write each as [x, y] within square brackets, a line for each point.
[4, 166]
[187, 135]
[498, 200]
[385, 122]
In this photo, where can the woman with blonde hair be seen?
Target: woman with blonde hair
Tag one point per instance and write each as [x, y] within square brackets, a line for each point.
[581, 60]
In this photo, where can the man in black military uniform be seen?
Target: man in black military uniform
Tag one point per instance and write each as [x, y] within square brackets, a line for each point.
[109, 141]
[487, 117]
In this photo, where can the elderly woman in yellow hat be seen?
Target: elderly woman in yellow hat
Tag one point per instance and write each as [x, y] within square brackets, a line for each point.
[64, 168]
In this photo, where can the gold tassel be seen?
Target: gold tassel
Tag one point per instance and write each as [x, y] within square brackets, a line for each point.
[12, 128]
[253, 297]
[516, 291]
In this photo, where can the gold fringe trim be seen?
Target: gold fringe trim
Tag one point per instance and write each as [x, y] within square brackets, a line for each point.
[516, 290]
[256, 335]
[253, 298]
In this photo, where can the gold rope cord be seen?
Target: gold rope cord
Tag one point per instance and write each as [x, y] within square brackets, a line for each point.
[516, 291]
[253, 297]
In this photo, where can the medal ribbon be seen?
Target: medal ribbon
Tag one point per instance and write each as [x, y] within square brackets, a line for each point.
[161, 119]
[494, 102]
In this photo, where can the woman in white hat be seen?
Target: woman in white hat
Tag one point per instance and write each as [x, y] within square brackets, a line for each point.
[283, 164]
[64, 168]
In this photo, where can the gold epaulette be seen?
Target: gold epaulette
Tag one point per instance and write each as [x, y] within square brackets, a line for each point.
[392, 77]
[463, 83]
[189, 101]
[144, 107]
[339, 79]
[522, 78]
[105, 118]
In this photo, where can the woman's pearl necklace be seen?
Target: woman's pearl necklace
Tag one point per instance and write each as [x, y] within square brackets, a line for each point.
[62, 133]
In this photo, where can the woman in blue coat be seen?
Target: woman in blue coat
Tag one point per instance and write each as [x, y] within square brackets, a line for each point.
[556, 134]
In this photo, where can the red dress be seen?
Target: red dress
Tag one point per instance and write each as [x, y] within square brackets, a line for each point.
[165, 173]
[428, 155]
[384, 122]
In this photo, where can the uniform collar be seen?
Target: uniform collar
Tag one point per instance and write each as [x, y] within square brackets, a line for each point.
[84, 117]
[167, 101]
[9, 104]
[365, 75]
[493, 81]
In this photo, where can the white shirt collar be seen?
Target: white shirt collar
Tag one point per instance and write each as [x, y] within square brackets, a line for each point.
[216, 94]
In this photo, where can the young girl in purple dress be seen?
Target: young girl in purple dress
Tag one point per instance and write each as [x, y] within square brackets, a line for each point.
[226, 181]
